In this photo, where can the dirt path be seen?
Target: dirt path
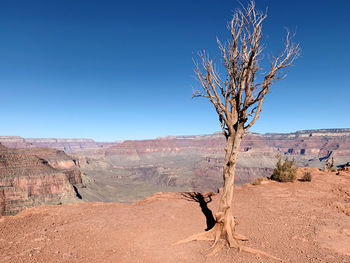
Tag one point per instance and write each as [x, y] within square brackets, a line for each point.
[298, 222]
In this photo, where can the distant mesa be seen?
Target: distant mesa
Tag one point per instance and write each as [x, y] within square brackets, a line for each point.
[67, 145]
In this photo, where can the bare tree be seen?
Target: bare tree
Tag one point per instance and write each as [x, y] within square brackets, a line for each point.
[237, 96]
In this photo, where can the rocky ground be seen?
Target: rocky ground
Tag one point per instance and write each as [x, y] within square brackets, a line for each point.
[297, 222]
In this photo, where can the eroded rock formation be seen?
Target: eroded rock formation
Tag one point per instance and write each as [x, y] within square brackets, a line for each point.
[34, 176]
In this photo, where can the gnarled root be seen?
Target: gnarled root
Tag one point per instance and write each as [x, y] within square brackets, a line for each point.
[258, 252]
[223, 233]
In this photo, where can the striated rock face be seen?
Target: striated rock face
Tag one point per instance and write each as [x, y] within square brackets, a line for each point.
[309, 148]
[61, 144]
[314, 143]
[30, 177]
[318, 143]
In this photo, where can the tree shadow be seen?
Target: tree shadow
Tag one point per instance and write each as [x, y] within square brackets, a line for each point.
[203, 200]
[76, 192]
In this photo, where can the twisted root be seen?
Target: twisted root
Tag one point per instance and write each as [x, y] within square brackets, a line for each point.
[223, 233]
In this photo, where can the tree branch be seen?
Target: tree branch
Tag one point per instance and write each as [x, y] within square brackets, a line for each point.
[237, 97]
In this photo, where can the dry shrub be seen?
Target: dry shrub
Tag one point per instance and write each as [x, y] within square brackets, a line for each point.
[307, 177]
[284, 172]
[257, 181]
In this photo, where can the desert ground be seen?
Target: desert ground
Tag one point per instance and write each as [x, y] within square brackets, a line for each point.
[296, 222]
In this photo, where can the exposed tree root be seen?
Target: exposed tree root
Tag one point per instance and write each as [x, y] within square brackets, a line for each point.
[222, 236]
[258, 252]
[216, 248]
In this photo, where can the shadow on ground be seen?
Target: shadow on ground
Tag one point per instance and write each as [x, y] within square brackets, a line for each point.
[203, 200]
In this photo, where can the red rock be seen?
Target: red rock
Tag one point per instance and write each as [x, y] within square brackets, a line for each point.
[33, 176]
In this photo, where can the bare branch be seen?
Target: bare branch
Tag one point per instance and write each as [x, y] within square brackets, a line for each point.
[238, 97]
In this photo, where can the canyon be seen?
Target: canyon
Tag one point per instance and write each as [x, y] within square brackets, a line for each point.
[194, 163]
[130, 170]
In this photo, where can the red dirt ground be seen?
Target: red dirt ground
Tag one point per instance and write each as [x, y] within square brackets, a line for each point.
[297, 222]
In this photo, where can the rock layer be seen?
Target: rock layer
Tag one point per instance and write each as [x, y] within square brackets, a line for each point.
[30, 177]
[61, 144]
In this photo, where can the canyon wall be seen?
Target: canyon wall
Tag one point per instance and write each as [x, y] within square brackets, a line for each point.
[34, 176]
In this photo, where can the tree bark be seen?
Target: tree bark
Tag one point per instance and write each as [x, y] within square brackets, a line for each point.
[224, 216]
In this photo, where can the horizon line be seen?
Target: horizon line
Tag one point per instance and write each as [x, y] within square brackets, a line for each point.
[160, 137]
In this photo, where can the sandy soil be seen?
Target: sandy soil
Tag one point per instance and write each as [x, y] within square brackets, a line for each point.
[298, 222]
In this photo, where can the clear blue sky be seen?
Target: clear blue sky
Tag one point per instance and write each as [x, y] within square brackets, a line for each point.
[115, 70]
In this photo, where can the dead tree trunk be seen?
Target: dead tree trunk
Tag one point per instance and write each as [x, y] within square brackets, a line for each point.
[224, 230]
[224, 218]
[237, 98]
